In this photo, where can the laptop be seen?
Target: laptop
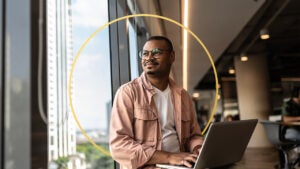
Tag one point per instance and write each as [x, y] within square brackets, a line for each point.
[224, 144]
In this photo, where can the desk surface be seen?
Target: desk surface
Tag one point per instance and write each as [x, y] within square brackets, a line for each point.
[291, 123]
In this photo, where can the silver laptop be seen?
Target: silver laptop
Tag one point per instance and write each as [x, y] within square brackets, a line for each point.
[224, 144]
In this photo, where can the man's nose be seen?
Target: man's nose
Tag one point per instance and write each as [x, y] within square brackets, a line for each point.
[150, 55]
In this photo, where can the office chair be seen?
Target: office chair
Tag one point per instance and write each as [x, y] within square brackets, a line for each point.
[275, 133]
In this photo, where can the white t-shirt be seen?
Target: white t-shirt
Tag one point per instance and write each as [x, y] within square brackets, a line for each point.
[164, 105]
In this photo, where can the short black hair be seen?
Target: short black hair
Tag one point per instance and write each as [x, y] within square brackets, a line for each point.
[295, 92]
[162, 38]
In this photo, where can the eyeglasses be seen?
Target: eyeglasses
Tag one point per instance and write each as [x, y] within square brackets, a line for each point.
[156, 52]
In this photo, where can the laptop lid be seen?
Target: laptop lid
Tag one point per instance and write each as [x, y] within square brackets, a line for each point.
[225, 143]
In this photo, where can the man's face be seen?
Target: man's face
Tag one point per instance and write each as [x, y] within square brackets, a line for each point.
[157, 59]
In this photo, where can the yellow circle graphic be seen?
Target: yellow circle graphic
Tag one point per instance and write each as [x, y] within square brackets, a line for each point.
[123, 18]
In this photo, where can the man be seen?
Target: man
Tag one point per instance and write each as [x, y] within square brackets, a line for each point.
[152, 119]
[291, 113]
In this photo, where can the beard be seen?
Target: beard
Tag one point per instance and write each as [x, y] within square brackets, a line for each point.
[151, 73]
[153, 62]
[155, 71]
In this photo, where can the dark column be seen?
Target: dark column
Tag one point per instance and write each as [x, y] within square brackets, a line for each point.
[39, 130]
[119, 47]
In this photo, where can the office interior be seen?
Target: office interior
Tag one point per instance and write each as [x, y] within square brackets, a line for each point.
[221, 60]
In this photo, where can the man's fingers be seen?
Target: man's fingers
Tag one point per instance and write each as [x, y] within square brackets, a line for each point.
[192, 156]
[189, 160]
[188, 163]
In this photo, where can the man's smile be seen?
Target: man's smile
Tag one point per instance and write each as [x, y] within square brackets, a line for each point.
[150, 63]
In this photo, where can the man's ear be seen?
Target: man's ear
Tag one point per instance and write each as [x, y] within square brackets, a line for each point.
[172, 56]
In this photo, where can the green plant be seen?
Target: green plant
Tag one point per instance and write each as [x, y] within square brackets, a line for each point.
[62, 162]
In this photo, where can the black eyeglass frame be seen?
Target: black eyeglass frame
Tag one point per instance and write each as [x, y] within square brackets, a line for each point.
[156, 52]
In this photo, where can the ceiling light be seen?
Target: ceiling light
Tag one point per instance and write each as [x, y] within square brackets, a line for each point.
[231, 71]
[264, 34]
[196, 95]
[185, 46]
[244, 58]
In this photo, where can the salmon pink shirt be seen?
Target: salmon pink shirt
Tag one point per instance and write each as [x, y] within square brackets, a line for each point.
[135, 131]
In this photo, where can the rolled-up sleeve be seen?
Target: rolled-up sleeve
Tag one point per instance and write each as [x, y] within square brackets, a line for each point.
[123, 147]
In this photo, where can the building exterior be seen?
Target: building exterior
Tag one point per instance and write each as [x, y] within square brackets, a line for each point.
[61, 126]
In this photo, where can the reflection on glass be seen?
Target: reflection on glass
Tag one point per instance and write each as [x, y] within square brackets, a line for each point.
[133, 52]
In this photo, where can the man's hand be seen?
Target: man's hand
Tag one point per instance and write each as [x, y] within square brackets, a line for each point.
[186, 159]
[196, 150]
[181, 158]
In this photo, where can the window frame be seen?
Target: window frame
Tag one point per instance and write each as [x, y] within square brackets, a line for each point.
[1, 81]
[118, 35]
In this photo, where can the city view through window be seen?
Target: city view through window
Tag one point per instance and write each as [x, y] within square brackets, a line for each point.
[91, 85]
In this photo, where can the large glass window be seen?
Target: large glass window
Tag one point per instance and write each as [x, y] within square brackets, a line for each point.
[92, 80]
[70, 24]
[134, 61]
[137, 35]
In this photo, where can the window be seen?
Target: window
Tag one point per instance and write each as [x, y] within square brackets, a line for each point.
[70, 23]
[134, 59]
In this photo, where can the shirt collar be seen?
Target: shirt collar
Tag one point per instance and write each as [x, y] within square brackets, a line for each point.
[147, 85]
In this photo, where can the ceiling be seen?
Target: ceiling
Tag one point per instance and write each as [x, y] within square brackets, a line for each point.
[228, 28]
[282, 20]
